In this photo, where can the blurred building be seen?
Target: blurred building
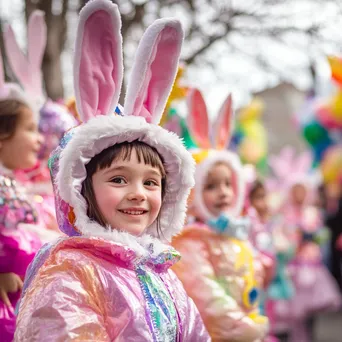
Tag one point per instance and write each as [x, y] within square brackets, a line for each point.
[280, 104]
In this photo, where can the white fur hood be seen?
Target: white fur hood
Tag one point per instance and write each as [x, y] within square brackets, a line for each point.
[89, 139]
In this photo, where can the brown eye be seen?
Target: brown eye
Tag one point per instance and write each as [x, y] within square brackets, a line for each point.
[118, 180]
[151, 183]
[210, 187]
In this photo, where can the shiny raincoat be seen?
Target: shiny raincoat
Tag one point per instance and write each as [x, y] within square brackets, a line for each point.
[221, 283]
[89, 289]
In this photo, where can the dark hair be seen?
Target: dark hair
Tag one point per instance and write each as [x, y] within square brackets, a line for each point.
[257, 185]
[123, 151]
[9, 115]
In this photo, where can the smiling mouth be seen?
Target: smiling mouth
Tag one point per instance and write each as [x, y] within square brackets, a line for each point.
[133, 212]
[222, 205]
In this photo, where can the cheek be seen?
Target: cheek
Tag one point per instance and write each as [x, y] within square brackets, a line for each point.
[155, 202]
[208, 198]
[107, 198]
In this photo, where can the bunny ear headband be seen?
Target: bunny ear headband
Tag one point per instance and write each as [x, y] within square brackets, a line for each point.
[213, 145]
[289, 170]
[27, 67]
[98, 72]
[219, 136]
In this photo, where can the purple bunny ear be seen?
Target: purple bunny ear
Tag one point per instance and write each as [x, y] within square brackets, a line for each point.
[224, 124]
[27, 69]
[98, 66]
[154, 70]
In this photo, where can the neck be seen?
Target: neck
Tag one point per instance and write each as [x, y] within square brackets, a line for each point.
[5, 171]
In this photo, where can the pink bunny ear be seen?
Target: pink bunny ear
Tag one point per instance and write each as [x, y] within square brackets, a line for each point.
[198, 121]
[154, 70]
[16, 58]
[98, 62]
[27, 69]
[224, 124]
[282, 164]
[37, 37]
[303, 163]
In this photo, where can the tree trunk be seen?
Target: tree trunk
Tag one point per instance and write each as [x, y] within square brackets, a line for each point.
[56, 37]
[52, 64]
[2, 51]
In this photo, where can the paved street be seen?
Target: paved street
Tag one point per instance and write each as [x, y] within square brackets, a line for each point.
[328, 328]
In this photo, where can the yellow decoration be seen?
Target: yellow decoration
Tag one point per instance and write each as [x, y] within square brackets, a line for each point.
[336, 68]
[253, 146]
[336, 106]
[253, 111]
[331, 165]
[251, 151]
[178, 92]
[71, 105]
[200, 155]
[245, 259]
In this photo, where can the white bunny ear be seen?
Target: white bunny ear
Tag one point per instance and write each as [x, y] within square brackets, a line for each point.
[98, 65]
[224, 125]
[154, 70]
[27, 69]
[197, 119]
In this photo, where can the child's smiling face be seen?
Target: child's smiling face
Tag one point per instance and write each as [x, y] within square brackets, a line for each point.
[218, 190]
[128, 194]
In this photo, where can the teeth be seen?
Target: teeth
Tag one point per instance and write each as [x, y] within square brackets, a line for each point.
[133, 212]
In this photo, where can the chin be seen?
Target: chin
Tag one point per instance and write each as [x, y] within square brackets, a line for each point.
[30, 163]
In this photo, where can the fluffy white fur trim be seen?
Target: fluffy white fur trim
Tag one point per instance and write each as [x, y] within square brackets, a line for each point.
[201, 173]
[14, 92]
[103, 131]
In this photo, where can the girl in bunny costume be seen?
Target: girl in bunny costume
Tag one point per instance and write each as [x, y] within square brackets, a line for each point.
[315, 289]
[222, 281]
[121, 185]
[54, 119]
[19, 146]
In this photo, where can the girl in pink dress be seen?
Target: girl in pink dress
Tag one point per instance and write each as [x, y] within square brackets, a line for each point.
[315, 289]
[19, 146]
[54, 118]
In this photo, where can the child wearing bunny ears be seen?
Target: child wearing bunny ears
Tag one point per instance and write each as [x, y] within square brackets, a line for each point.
[19, 146]
[217, 266]
[315, 289]
[54, 118]
[121, 185]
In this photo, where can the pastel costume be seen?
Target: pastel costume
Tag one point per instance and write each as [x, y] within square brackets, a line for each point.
[54, 118]
[314, 287]
[217, 266]
[102, 284]
[316, 290]
[18, 245]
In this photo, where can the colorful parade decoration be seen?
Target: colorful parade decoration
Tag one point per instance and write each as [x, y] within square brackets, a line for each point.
[250, 138]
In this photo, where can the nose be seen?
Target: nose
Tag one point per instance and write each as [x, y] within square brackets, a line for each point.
[136, 193]
[40, 138]
[223, 190]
